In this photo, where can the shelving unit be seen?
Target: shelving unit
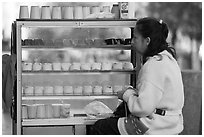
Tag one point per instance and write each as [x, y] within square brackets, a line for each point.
[25, 76]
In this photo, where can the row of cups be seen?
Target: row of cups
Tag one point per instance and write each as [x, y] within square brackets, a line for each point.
[45, 111]
[57, 12]
[71, 90]
[27, 66]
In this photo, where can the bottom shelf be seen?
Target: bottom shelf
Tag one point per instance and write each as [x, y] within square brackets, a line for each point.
[59, 121]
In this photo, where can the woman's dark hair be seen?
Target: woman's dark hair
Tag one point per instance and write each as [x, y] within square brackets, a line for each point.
[157, 31]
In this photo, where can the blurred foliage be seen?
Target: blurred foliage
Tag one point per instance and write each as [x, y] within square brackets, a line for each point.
[186, 16]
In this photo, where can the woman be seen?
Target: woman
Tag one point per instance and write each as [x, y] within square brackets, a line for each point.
[156, 103]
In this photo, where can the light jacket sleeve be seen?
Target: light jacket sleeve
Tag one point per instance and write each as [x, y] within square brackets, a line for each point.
[149, 93]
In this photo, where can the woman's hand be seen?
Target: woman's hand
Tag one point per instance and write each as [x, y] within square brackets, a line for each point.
[120, 94]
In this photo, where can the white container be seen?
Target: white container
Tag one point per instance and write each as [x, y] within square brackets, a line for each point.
[56, 66]
[97, 90]
[56, 110]
[117, 66]
[35, 12]
[37, 66]
[45, 12]
[39, 90]
[56, 12]
[68, 90]
[78, 90]
[128, 66]
[85, 66]
[68, 12]
[27, 66]
[65, 66]
[75, 66]
[96, 66]
[65, 110]
[58, 90]
[107, 90]
[86, 11]
[23, 14]
[28, 91]
[49, 111]
[87, 90]
[106, 66]
[32, 111]
[78, 12]
[48, 90]
[24, 111]
[47, 66]
[95, 9]
[41, 113]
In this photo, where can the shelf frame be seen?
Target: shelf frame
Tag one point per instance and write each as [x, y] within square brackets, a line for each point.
[91, 23]
[71, 97]
[71, 121]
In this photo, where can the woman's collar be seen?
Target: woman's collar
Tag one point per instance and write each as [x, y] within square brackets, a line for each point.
[165, 52]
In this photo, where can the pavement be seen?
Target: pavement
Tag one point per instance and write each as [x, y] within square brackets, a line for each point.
[6, 123]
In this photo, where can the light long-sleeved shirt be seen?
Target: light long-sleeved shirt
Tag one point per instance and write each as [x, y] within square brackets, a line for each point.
[160, 86]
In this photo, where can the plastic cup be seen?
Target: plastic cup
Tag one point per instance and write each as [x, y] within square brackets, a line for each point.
[56, 66]
[78, 90]
[32, 111]
[27, 66]
[28, 91]
[88, 90]
[35, 12]
[58, 90]
[78, 12]
[56, 110]
[75, 66]
[48, 90]
[56, 12]
[24, 112]
[86, 11]
[47, 66]
[95, 9]
[49, 111]
[39, 90]
[97, 90]
[24, 14]
[68, 90]
[65, 66]
[45, 12]
[41, 114]
[37, 66]
[68, 12]
[106, 66]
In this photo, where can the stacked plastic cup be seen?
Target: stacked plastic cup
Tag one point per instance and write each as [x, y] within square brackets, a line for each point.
[24, 14]
[56, 12]
[45, 12]
[35, 12]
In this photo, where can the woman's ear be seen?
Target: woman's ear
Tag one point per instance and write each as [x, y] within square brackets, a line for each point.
[148, 40]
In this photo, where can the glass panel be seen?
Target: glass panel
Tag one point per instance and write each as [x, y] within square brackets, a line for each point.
[56, 50]
[53, 33]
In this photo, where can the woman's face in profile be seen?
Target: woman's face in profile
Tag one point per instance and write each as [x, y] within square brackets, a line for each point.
[138, 42]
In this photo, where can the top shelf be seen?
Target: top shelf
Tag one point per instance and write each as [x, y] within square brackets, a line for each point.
[78, 22]
[77, 19]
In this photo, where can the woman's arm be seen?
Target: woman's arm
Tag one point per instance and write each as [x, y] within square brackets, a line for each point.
[145, 102]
